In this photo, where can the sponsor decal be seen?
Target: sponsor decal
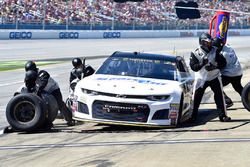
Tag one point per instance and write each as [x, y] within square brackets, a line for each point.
[234, 33]
[173, 115]
[223, 27]
[74, 106]
[106, 106]
[173, 121]
[20, 35]
[174, 107]
[112, 35]
[142, 81]
[186, 34]
[68, 35]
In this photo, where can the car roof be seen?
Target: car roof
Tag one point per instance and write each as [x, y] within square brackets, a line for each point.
[171, 58]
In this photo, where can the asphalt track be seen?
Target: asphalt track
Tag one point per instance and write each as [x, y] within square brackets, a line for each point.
[207, 143]
[66, 49]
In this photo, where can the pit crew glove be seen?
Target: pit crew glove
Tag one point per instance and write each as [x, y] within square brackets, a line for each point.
[210, 67]
[204, 60]
[37, 90]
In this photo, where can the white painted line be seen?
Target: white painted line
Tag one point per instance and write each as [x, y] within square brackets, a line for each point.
[1, 131]
[18, 82]
[11, 83]
[2, 108]
[103, 144]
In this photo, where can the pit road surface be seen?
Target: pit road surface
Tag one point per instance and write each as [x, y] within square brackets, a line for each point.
[206, 143]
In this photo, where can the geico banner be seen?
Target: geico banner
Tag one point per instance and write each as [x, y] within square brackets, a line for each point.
[186, 34]
[112, 35]
[68, 35]
[233, 33]
[20, 35]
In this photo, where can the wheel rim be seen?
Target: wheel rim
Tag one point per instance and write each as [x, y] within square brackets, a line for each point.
[24, 112]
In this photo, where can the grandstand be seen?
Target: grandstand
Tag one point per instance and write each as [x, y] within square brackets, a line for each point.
[246, 1]
[108, 15]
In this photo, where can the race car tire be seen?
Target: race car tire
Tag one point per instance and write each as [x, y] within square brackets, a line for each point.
[245, 96]
[51, 106]
[180, 112]
[25, 112]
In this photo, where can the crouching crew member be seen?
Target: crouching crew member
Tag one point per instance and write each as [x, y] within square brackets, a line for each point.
[45, 82]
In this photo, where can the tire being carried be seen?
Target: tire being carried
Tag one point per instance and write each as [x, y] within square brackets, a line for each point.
[26, 112]
[245, 96]
[52, 106]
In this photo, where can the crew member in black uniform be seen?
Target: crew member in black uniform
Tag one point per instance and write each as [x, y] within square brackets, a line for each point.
[45, 82]
[205, 61]
[79, 71]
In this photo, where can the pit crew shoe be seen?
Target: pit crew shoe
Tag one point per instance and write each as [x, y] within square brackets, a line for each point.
[8, 129]
[225, 118]
[229, 104]
[48, 126]
[71, 123]
[59, 115]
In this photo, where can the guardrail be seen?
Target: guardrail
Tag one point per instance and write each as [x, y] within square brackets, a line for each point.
[52, 34]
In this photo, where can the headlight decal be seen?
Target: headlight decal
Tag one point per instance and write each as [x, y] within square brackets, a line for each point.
[158, 97]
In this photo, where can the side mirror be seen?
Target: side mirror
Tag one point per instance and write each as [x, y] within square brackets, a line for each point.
[89, 71]
[185, 10]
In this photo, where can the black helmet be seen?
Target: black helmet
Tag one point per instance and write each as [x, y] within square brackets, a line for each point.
[205, 41]
[30, 65]
[76, 62]
[30, 79]
[217, 42]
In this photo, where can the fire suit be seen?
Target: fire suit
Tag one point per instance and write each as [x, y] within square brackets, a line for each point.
[232, 72]
[44, 82]
[207, 74]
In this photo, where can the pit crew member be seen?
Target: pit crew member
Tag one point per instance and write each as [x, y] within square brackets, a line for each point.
[206, 62]
[44, 81]
[232, 72]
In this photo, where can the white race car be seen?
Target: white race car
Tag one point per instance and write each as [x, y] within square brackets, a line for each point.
[138, 89]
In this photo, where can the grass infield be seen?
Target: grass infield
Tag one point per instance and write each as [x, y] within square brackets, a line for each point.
[12, 65]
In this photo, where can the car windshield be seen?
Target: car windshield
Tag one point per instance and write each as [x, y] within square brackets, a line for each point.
[139, 67]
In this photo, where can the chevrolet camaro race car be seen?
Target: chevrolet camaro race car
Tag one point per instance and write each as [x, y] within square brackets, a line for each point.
[138, 89]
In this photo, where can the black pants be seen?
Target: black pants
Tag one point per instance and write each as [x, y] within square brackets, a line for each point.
[216, 87]
[235, 81]
[62, 106]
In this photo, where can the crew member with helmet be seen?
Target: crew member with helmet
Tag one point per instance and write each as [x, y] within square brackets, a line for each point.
[40, 80]
[206, 62]
[79, 71]
[232, 72]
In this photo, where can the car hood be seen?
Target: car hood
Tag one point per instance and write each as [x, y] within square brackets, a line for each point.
[128, 85]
